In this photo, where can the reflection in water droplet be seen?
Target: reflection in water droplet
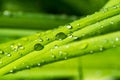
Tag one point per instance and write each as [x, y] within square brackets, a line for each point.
[38, 47]
[60, 36]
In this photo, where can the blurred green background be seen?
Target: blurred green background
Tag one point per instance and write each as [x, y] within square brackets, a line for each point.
[19, 18]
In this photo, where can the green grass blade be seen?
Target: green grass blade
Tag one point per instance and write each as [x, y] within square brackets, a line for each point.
[71, 50]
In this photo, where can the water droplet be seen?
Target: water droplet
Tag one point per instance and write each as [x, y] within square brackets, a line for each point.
[53, 56]
[14, 47]
[1, 52]
[76, 38]
[40, 39]
[78, 24]
[8, 55]
[101, 48]
[7, 13]
[83, 46]
[117, 39]
[47, 39]
[56, 46]
[60, 36]
[39, 64]
[91, 52]
[71, 36]
[27, 67]
[38, 47]
[69, 26]
[66, 58]
[101, 26]
[111, 22]
[0, 62]
[11, 71]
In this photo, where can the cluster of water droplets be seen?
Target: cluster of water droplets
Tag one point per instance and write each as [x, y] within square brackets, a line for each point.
[16, 47]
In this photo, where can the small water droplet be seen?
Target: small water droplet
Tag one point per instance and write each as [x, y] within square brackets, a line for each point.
[56, 46]
[8, 55]
[60, 36]
[69, 26]
[7, 13]
[117, 39]
[0, 62]
[66, 58]
[78, 24]
[27, 67]
[101, 26]
[111, 22]
[1, 52]
[101, 48]
[53, 56]
[83, 46]
[47, 39]
[91, 52]
[39, 64]
[11, 71]
[38, 47]
[40, 39]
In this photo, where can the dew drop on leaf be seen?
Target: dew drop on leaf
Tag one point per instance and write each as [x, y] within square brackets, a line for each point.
[7, 13]
[38, 47]
[60, 36]
[69, 26]
[56, 46]
[111, 22]
[83, 46]
[11, 71]
[39, 64]
[0, 62]
[117, 39]
[8, 55]
[1, 52]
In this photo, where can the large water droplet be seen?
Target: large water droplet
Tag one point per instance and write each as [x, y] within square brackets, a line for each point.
[60, 36]
[69, 26]
[38, 47]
